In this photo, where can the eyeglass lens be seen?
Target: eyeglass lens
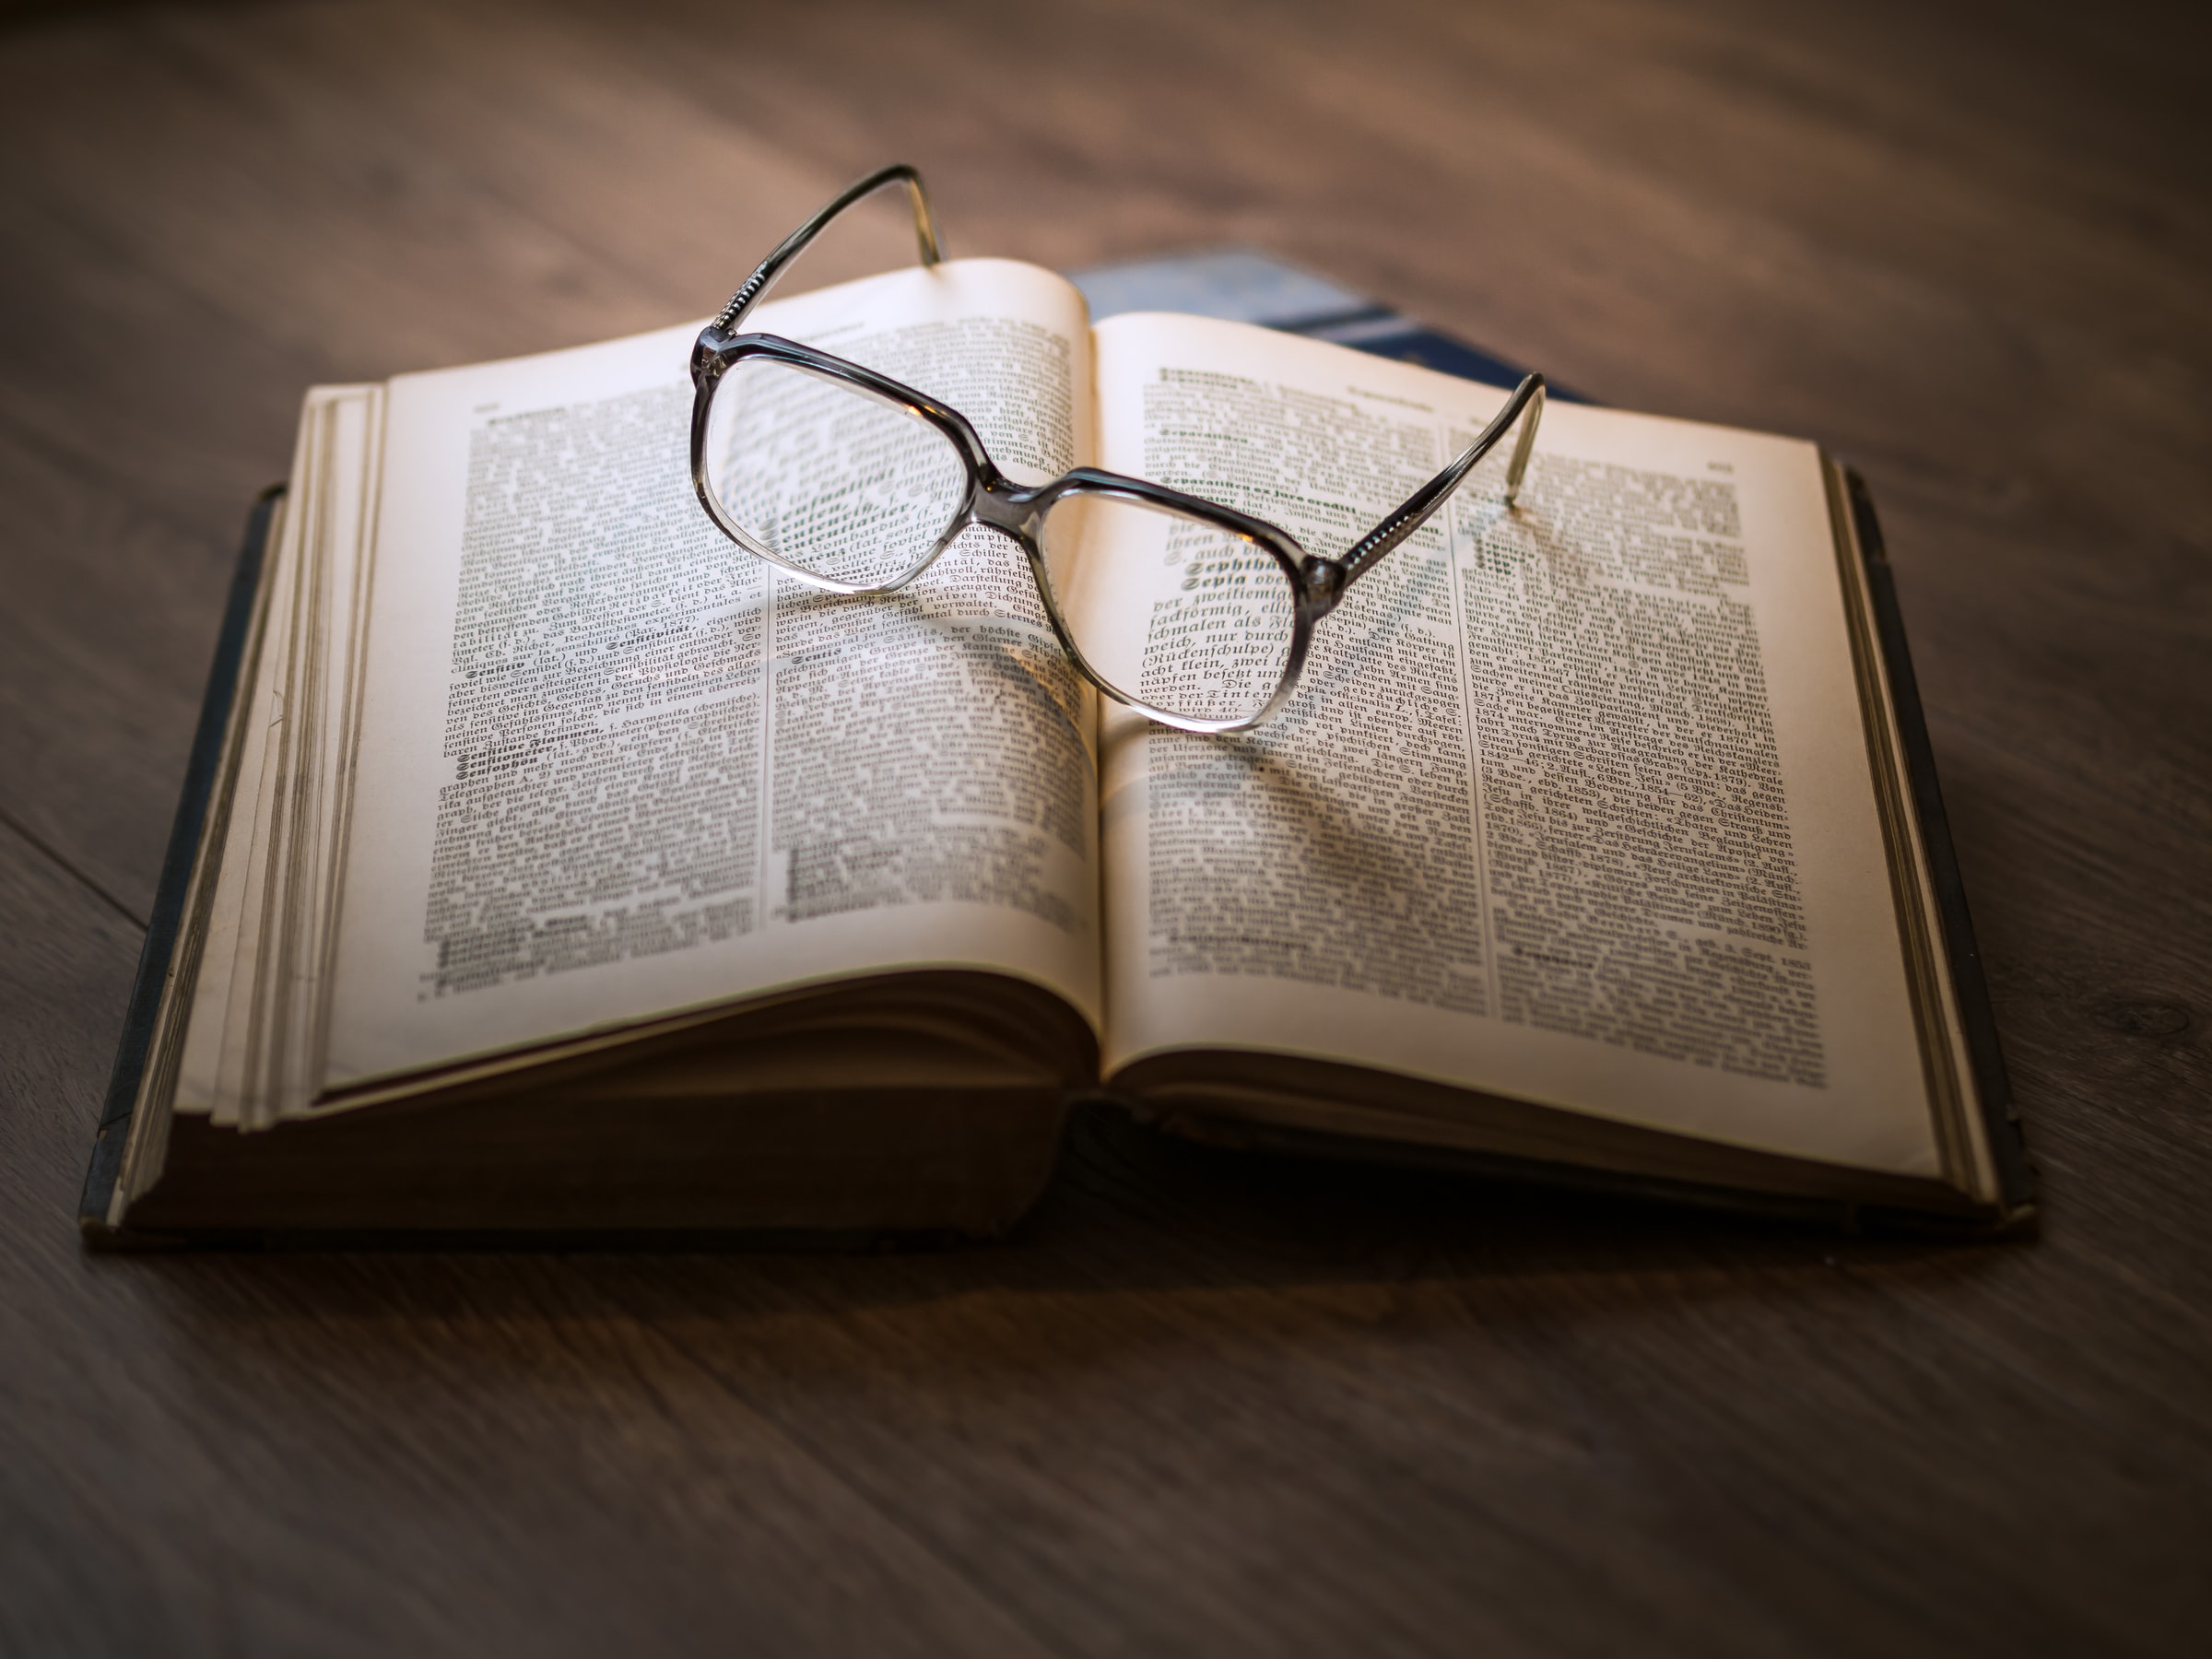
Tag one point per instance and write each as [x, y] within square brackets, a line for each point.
[827, 477]
[1169, 610]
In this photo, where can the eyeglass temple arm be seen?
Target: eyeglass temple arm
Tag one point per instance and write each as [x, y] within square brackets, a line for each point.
[925, 234]
[1416, 509]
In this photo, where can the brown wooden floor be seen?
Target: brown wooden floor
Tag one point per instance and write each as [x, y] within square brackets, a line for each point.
[1199, 1405]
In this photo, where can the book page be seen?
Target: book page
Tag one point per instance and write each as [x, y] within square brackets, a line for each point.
[257, 981]
[1573, 804]
[612, 765]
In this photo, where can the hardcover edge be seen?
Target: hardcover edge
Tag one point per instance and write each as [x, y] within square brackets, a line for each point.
[157, 957]
[1837, 1214]
[1992, 1085]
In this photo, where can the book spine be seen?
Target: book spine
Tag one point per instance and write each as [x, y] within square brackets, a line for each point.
[163, 930]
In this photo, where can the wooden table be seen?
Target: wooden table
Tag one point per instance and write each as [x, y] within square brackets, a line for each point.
[1200, 1404]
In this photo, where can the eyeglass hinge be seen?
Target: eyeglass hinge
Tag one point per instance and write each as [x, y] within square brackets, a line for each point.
[1324, 580]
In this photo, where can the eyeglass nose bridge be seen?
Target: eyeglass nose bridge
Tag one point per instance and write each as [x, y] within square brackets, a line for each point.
[1017, 509]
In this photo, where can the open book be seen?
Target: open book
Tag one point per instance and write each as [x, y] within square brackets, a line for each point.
[564, 870]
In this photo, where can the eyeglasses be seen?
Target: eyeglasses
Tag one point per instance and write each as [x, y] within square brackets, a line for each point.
[1189, 611]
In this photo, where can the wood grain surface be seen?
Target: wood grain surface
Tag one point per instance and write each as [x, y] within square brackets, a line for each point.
[1201, 1404]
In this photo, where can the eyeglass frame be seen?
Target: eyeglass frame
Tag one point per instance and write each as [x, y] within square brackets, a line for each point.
[1318, 582]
